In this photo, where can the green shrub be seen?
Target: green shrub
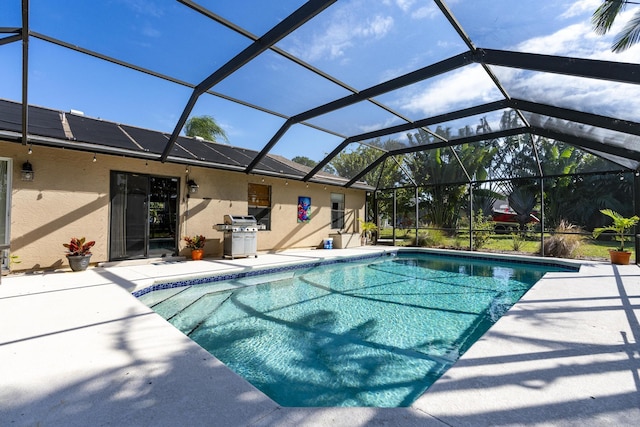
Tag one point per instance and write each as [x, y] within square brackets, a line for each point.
[517, 240]
[429, 238]
[564, 242]
[482, 229]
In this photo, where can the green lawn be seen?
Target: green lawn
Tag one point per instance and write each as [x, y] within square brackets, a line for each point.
[589, 249]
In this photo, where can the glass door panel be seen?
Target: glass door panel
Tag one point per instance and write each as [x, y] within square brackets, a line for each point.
[163, 217]
[5, 191]
[129, 213]
[143, 216]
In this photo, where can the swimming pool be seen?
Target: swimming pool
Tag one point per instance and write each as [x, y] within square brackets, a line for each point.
[368, 332]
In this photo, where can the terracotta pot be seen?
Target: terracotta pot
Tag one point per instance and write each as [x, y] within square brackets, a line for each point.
[620, 257]
[196, 254]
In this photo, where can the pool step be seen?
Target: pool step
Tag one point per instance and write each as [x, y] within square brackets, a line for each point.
[192, 316]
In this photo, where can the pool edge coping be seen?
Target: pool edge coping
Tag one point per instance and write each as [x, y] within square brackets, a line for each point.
[250, 271]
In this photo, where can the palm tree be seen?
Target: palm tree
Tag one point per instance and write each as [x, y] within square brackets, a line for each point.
[205, 127]
[604, 17]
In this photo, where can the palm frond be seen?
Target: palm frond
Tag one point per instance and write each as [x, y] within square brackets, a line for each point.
[629, 35]
[605, 15]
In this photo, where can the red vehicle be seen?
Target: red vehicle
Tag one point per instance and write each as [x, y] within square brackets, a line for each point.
[504, 219]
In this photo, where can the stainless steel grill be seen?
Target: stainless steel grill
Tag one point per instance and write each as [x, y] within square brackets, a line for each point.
[240, 235]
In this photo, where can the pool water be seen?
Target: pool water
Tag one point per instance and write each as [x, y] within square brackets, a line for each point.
[375, 332]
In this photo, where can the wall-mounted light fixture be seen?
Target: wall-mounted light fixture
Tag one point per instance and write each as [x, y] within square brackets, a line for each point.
[193, 187]
[27, 173]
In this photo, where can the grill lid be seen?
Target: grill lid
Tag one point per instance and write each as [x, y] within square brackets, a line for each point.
[246, 220]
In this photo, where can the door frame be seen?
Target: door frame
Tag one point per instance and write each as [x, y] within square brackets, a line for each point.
[147, 251]
[5, 244]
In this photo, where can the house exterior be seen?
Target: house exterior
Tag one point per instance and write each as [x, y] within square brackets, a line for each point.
[135, 207]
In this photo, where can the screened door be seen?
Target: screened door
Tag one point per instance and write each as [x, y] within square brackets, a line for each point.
[143, 216]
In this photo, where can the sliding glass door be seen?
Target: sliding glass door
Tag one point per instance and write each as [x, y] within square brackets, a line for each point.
[5, 209]
[143, 216]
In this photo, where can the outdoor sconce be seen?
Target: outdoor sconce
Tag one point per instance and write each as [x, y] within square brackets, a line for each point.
[27, 173]
[193, 187]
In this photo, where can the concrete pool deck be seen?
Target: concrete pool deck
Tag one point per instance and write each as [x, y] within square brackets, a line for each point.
[78, 349]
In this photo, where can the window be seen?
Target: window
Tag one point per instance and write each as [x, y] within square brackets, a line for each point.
[259, 199]
[337, 210]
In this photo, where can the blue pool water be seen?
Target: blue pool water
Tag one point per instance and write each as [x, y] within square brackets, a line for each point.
[372, 332]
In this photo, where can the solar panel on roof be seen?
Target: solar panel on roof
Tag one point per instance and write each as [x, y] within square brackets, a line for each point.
[268, 163]
[240, 155]
[95, 131]
[207, 151]
[42, 121]
[153, 141]
[11, 116]
[45, 123]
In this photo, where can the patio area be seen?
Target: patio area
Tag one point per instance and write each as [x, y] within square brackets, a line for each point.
[78, 349]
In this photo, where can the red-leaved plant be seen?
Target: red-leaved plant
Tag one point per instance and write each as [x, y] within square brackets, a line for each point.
[78, 247]
[195, 242]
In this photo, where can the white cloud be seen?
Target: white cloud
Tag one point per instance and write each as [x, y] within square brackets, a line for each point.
[144, 7]
[468, 86]
[425, 12]
[562, 42]
[345, 31]
[580, 7]
[596, 96]
[579, 40]
[375, 28]
[405, 5]
[150, 31]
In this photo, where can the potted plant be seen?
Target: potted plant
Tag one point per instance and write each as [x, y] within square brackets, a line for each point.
[196, 244]
[620, 226]
[79, 253]
[367, 228]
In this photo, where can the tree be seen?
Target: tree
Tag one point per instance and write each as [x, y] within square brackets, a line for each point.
[604, 17]
[442, 170]
[303, 160]
[388, 174]
[350, 163]
[205, 127]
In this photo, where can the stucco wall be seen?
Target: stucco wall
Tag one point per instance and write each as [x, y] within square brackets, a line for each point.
[69, 197]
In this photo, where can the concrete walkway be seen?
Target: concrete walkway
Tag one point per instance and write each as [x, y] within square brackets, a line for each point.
[76, 349]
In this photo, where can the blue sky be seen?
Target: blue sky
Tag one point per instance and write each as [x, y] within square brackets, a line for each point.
[361, 42]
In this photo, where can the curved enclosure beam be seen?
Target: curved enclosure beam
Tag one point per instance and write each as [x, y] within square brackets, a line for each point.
[277, 33]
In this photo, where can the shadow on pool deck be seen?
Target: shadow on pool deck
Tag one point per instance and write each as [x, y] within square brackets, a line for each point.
[78, 349]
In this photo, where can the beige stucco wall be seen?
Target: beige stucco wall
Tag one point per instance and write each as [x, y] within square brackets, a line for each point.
[69, 197]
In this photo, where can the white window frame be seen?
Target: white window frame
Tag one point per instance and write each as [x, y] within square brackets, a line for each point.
[337, 211]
